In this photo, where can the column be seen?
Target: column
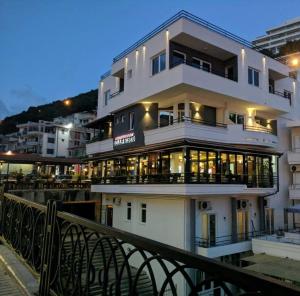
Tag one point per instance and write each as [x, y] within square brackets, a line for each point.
[175, 112]
[261, 213]
[187, 109]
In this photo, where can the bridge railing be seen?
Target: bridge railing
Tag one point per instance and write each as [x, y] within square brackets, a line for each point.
[75, 256]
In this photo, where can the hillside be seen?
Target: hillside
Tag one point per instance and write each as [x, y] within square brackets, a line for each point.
[83, 102]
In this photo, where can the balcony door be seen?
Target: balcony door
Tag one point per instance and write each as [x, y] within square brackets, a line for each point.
[209, 228]
[109, 215]
[242, 224]
[269, 220]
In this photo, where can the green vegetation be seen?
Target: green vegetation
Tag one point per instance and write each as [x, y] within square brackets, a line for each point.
[83, 102]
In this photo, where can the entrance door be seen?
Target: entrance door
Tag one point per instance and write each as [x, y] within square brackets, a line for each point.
[209, 229]
[242, 225]
[109, 215]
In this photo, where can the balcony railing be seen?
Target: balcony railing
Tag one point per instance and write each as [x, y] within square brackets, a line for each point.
[260, 129]
[210, 70]
[116, 93]
[75, 256]
[100, 137]
[228, 239]
[197, 121]
[251, 181]
[286, 95]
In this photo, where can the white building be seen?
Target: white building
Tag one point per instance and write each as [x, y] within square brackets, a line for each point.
[278, 36]
[62, 137]
[193, 139]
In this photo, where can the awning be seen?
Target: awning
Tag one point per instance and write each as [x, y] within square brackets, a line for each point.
[98, 122]
[283, 268]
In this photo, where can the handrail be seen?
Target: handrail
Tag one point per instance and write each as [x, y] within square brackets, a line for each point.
[287, 95]
[259, 129]
[198, 121]
[82, 248]
[116, 93]
[186, 15]
[211, 70]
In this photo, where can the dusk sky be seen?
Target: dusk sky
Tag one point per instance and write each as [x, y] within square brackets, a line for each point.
[53, 49]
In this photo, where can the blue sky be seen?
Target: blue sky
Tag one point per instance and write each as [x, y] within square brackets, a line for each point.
[53, 49]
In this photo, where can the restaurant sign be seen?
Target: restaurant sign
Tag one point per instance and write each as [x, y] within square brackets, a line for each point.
[124, 139]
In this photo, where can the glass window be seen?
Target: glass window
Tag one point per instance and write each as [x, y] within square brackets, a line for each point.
[143, 213]
[206, 66]
[165, 117]
[129, 211]
[203, 162]
[144, 165]
[176, 162]
[51, 140]
[253, 76]
[106, 97]
[132, 164]
[196, 63]
[236, 118]
[131, 120]
[178, 57]
[159, 63]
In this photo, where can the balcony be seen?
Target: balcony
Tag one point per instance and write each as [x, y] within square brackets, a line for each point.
[212, 132]
[293, 157]
[71, 255]
[294, 191]
[185, 184]
[99, 144]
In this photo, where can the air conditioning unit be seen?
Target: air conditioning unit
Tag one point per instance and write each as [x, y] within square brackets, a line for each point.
[295, 168]
[243, 204]
[117, 201]
[204, 205]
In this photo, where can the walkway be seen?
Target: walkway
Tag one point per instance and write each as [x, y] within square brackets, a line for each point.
[8, 285]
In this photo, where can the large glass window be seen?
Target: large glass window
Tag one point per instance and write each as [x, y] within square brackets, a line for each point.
[178, 57]
[106, 97]
[165, 117]
[237, 118]
[132, 164]
[131, 120]
[176, 162]
[253, 76]
[159, 63]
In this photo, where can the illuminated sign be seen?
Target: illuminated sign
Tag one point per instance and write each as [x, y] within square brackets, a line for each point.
[124, 139]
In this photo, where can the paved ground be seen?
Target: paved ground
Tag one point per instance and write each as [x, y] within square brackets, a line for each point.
[8, 285]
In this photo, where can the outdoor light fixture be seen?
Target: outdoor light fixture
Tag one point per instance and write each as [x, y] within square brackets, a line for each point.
[9, 152]
[295, 62]
[67, 102]
[69, 125]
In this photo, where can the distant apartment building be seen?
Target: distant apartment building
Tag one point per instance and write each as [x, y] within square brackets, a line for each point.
[278, 36]
[62, 137]
[192, 139]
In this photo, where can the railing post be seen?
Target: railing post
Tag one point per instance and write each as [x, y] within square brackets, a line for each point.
[2, 207]
[47, 250]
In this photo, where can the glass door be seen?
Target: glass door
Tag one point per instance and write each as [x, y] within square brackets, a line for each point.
[209, 229]
[242, 225]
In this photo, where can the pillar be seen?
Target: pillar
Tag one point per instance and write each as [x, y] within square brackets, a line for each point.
[261, 213]
[233, 219]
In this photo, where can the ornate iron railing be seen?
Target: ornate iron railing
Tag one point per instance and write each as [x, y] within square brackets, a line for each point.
[74, 256]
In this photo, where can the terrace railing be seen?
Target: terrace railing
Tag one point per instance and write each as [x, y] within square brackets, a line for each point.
[75, 256]
[189, 178]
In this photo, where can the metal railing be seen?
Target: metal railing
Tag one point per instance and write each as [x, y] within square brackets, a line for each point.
[116, 93]
[228, 239]
[286, 95]
[210, 70]
[189, 178]
[75, 256]
[261, 129]
[100, 137]
[186, 15]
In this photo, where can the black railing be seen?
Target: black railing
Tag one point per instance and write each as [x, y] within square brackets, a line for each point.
[99, 137]
[286, 95]
[198, 121]
[251, 181]
[261, 129]
[75, 256]
[209, 70]
[116, 93]
[228, 239]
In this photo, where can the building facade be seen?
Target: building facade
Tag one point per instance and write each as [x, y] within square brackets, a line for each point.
[192, 139]
[278, 36]
[62, 137]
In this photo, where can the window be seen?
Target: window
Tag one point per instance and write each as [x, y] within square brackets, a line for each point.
[253, 76]
[165, 117]
[50, 151]
[131, 121]
[106, 97]
[117, 120]
[129, 74]
[178, 57]
[122, 118]
[159, 63]
[129, 211]
[200, 64]
[143, 213]
[51, 140]
[237, 118]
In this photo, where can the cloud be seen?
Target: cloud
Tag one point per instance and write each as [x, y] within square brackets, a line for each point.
[27, 96]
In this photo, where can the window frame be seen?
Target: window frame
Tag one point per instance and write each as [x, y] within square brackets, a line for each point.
[251, 78]
[106, 97]
[143, 209]
[158, 56]
[129, 211]
[131, 121]
[179, 52]
[201, 64]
